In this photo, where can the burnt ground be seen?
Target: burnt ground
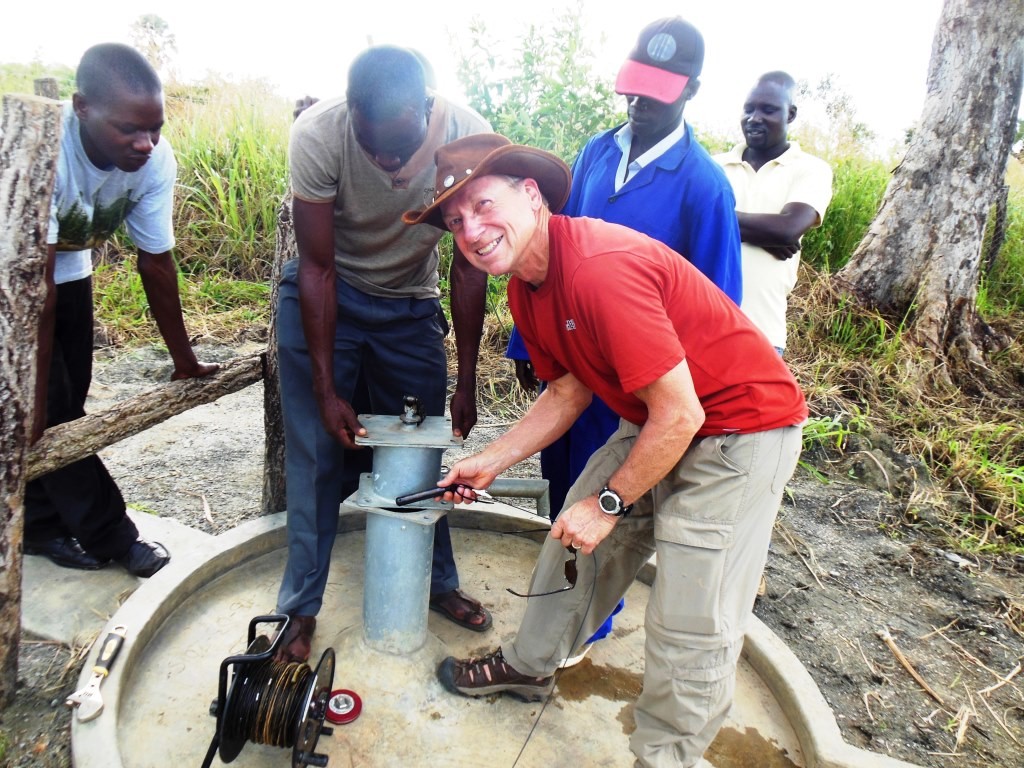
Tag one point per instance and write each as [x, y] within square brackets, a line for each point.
[862, 584]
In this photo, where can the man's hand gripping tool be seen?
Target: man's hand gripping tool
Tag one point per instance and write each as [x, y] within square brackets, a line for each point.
[440, 490]
[88, 701]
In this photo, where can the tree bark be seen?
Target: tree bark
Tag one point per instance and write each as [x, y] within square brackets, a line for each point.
[273, 423]
[47, 87]
[64, 443]
[921, 258]
[29, 143]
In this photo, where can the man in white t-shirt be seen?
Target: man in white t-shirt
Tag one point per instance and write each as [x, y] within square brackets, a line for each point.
[781, 192]
[112, 168]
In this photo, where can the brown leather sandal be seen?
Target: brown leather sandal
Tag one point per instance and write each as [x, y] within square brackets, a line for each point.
[459, 608]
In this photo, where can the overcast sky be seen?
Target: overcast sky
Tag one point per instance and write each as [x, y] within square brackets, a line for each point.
[877, 50]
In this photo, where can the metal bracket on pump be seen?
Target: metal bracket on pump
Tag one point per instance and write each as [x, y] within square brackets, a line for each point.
[412, 411]
[407, 452]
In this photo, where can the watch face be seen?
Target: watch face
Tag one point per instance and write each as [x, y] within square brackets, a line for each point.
[608, 502]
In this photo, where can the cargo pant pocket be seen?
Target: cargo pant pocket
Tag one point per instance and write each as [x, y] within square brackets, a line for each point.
[692, 556]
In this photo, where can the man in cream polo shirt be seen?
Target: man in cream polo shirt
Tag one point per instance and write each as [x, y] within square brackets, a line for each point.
[781, 192]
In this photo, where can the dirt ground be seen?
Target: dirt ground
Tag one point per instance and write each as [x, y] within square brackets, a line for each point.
[916, 647]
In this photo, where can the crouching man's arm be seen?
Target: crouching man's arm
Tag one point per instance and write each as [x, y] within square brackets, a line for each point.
[547, 419]
[674, 414]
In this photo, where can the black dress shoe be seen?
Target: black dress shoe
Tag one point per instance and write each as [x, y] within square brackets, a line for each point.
[66, 552]
[144, 558]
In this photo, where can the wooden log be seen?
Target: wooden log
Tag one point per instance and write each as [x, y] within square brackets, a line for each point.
[29, 144]
[273, 422]
[74, 440]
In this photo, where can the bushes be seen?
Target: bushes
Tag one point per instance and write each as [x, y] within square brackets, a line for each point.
[548, 97]
[857, 189]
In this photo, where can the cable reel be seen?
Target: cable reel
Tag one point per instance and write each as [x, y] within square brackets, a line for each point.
[271, 702]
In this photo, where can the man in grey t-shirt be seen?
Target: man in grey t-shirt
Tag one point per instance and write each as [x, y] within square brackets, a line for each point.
[359, 321]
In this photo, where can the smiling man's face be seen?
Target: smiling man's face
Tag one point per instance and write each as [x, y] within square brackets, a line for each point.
[766, 116]
[493, 220]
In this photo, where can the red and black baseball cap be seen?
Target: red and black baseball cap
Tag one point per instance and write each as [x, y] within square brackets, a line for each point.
[667, 54]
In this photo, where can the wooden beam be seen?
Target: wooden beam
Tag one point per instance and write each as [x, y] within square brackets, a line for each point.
[74, 440]
[273, 499]
[46, 87]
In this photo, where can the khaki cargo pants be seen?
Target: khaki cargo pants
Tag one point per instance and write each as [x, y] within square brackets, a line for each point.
[709, 521]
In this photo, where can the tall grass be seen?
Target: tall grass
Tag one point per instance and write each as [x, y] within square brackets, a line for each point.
[231, 145]
[849, 360]
[20, 78]
[858, 186]
[1002, 289]
[215, 306]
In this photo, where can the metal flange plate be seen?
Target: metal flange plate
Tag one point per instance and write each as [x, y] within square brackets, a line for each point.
[432, 432]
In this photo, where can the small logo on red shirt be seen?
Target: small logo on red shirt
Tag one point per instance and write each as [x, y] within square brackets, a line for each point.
[570, 324]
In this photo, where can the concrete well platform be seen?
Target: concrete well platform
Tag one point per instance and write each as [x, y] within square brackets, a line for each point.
[185, 620]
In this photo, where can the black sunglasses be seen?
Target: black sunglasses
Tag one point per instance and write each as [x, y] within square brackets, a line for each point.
[570, 577]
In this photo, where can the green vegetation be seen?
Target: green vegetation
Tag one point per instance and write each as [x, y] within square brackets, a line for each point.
[19, 78]
[231, 145]
[858, 185]
[1001, 292]
[866, 385]
[547, 95]
[864, 381]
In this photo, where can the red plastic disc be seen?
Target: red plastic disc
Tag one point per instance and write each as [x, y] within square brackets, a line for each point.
[343, 706]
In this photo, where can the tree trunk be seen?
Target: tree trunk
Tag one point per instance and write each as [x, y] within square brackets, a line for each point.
[922, 255]
[73, 440]
[29, 142]
[46, 86]
[273, 424]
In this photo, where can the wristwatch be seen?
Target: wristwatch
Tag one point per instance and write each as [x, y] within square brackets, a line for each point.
[611, 503]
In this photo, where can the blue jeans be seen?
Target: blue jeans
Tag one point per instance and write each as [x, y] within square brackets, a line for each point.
[396, 348]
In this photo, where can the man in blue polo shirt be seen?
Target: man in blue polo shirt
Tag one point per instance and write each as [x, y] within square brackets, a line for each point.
[649, 174]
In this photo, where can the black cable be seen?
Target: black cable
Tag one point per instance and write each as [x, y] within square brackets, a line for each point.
[267, 703]
[561, 667]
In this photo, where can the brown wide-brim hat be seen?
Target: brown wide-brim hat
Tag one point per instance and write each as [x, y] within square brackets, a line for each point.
[486, 154]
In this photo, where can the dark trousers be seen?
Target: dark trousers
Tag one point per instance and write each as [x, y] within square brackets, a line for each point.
[383, 349]
[80, 499]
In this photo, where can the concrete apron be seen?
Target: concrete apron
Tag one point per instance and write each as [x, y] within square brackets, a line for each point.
[185, 620]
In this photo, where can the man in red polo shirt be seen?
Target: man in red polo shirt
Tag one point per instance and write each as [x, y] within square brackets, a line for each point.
[710, 433]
